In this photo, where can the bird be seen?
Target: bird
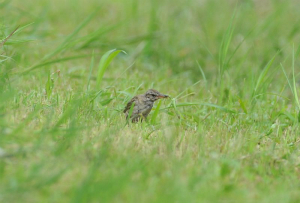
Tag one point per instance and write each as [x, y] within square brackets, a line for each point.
[142, 104]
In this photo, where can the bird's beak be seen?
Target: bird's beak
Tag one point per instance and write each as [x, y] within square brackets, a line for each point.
[162, 96]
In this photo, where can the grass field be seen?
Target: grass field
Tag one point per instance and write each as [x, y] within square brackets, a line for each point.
[229, 132]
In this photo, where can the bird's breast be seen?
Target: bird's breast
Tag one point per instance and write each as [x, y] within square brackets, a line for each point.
[146, 108]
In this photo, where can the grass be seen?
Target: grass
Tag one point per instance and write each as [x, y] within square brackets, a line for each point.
[229, 132]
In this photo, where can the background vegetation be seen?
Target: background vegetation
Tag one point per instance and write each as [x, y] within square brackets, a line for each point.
[230, 132]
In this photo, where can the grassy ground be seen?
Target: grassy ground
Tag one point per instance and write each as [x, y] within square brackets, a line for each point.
[230, 132]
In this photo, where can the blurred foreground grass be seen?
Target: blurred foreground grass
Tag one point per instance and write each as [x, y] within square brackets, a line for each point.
[230, 133]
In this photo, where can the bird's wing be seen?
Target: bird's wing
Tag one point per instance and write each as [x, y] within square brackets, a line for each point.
[128, 106]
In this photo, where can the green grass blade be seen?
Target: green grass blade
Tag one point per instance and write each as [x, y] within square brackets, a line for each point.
[155, 113]
[69, 38]
[187, 89]
[61, 47]
[298, 51]
[137, 88]
[243, 106]
[9, 36]
[289, 83]
[201, 104]
[53, 62]
[19, 41]
[238, 46]
[104, 62]
[23, 27]
[130, 112]
[98, 33]
[294, 80]
[202, 72]
[263, 74]
[90, 73]
[223, 51]
[49, 85]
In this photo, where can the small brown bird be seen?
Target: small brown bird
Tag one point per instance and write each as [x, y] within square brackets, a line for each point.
[143, 104]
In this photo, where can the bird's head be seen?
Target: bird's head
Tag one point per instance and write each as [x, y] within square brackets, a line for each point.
[154, 95]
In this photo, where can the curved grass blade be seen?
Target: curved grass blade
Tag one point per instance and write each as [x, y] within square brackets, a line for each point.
[69, 38]
[23, 27]
[243, 106]
[9, 36]
[202, 72]
[156, 111]
[294, 80]
[223, 51]
[104, 62]
[202, 104]
[90, 74]
[263, 75]
[287, 78]
[62, 46]
[53, 62]
[130, 113]
[94, 36]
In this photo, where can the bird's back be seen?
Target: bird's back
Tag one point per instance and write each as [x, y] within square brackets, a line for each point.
[141, 107]
[129, 104]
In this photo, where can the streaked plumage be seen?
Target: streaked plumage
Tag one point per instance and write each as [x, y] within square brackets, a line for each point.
[142, 104]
